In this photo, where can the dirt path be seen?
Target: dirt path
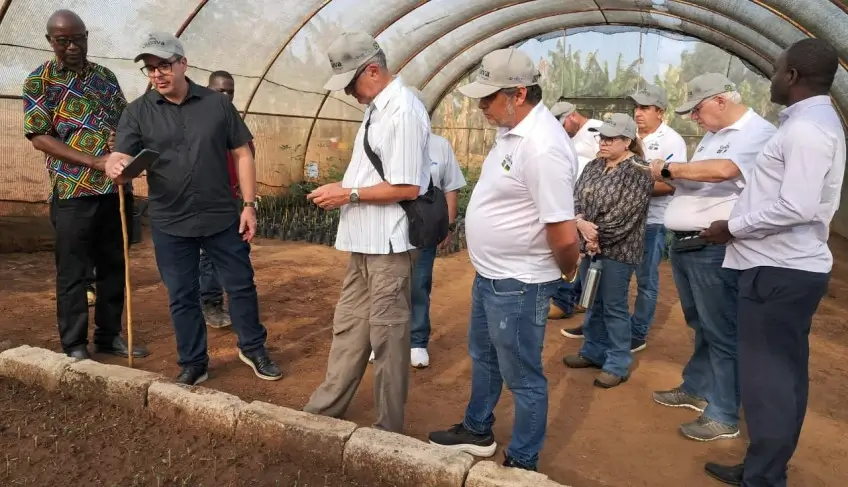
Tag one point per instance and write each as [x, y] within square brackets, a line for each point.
[596, 437]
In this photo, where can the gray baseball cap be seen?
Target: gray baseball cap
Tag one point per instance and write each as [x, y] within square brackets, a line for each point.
[504, 68]
[618, 125]
[162, 45]
[651, 96]
[349, 52]
[704, 87]
[562, 109]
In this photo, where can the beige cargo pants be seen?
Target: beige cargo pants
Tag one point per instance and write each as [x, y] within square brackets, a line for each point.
[373, 313]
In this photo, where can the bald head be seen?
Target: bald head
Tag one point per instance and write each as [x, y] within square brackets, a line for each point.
[68, 37]
[64, 19]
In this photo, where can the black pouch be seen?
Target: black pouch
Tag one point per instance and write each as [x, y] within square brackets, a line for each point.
[688, 243]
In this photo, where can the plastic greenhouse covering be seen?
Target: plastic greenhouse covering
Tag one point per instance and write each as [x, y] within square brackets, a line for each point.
[593, 52]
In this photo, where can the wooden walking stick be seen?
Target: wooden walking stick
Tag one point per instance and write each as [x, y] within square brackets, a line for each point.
[128, 291]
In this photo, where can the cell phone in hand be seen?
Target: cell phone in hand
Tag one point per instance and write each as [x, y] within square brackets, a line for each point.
[141, 162]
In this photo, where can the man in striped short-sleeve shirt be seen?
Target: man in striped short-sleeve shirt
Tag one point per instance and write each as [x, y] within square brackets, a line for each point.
[373, 311]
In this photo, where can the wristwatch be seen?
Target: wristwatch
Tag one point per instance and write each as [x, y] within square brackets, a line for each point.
[354, 195]
[665, 172]
[249, 204]
[452, 226]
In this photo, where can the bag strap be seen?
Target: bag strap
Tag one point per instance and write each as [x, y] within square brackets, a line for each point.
[374, 158]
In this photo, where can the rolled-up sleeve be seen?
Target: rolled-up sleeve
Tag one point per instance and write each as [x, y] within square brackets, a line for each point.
[404, 149]
[549, 177]
[808, 156]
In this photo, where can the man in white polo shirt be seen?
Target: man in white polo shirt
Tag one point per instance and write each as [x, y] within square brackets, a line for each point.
[373, 310]
[564, 301]
[522, 238]
[706, 190]
[659, 142]
[778, 234]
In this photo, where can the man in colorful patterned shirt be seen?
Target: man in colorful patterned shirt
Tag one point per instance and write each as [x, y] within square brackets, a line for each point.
[71, 106]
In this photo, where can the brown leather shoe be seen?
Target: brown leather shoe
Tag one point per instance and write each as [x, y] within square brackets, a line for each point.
[579, 362]
[607, 380]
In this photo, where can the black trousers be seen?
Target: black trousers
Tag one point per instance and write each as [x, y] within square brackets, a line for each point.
[88, 236]
[776, 307]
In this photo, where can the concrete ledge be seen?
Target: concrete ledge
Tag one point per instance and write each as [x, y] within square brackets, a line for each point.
[119, 385]
[375, 457]
[299, 437]
[197, 406]
[490, 474]
[35, 366]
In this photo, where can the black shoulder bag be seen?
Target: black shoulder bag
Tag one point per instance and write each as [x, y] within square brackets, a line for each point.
[427, 214]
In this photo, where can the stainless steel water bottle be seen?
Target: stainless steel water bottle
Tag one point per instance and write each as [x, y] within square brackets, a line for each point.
[590, 284]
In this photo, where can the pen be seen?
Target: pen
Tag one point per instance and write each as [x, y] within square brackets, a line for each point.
[669, 156]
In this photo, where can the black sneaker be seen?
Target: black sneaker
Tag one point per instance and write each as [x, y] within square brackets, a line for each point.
[637, 345]
[459, 438]
[572, 332]
[192, 375]
[511, 463]
[262, 366]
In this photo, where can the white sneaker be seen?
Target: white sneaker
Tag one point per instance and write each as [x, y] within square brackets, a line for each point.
[371, 358]
[419, 358]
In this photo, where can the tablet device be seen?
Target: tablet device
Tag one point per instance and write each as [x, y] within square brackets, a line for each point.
[142, 161]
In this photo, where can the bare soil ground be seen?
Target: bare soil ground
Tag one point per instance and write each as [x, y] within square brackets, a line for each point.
[616, 437]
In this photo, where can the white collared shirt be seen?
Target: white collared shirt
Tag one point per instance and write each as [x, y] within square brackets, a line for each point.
[783, 216]
[660, 144]
[444, 168]
[586, 145]
[399, 132]
[526, 181]
[695, 205]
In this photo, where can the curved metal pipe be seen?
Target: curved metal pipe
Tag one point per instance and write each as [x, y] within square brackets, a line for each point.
[279, 53]
[486, 35]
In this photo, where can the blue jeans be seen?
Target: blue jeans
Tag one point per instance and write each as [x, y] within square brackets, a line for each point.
[211, 291]
[567, 294]
[505, 340]
[709, 296]
[422, 283]
[178, 262]
[648, 280]
[606, 329]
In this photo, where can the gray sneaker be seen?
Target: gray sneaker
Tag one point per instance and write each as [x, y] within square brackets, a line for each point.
[705, 429]
[216, 316]
[676, 398]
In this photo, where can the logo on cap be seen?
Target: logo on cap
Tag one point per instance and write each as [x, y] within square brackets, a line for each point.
[484, 73]
[153, 41]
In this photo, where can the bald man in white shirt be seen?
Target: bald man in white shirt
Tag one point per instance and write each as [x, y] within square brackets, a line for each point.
[586, 146]
[777, 236]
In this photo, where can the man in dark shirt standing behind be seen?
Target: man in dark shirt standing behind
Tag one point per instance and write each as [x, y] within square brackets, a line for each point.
[70, 107]
[191, 203]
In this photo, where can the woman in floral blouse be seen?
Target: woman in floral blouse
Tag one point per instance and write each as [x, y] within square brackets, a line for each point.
[611, 201]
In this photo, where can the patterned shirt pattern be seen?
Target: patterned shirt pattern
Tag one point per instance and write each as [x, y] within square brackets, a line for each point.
[617, 202]
[78, 109]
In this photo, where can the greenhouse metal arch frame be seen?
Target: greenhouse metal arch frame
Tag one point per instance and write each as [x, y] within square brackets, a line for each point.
[434, 43]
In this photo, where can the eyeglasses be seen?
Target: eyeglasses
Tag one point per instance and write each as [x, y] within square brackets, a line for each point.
[76, 40]
[600, 139]
[695, 111]
[165, 67]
